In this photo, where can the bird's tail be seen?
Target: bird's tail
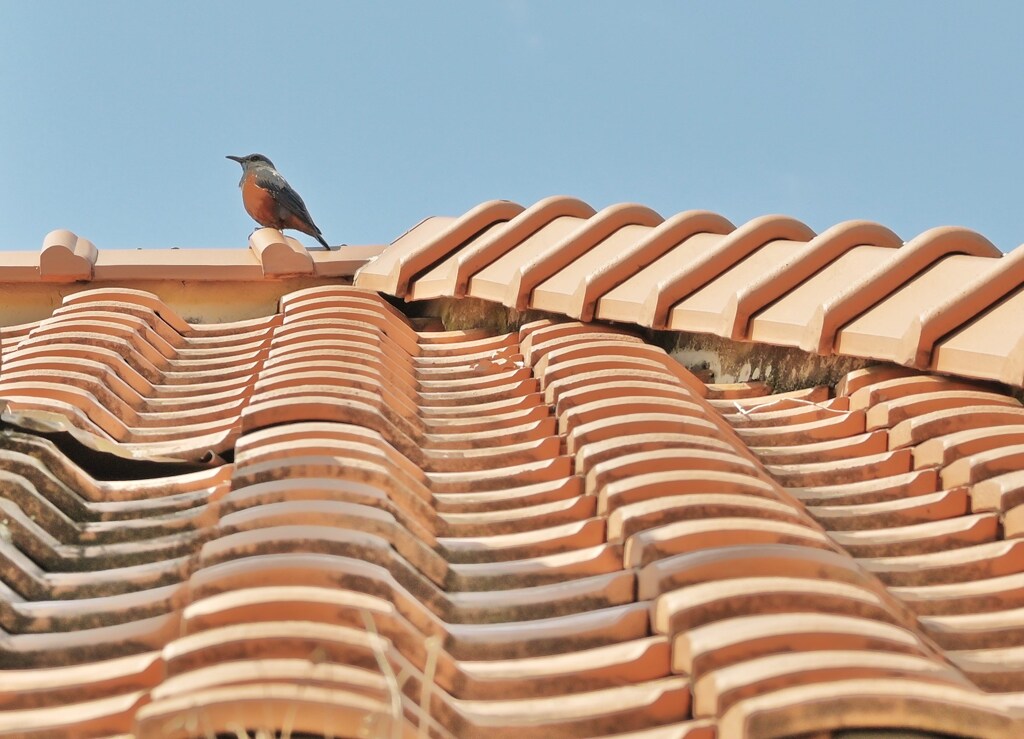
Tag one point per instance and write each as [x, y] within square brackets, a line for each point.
[323, 243]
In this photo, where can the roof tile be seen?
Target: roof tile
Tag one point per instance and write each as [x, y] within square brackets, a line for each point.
[559, 514]
[770, 280]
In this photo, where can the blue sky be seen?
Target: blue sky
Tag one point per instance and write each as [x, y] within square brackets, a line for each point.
[116, 116]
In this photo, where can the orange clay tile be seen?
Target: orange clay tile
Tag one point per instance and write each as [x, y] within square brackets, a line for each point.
[976, 631]
[957, 308]
[977, 467]
[900, 266]
[706, 308]
[997, 669]
[66, 257]
[885, 331]
[555, 529]
[717, 691]
[427, 242]
[732, 641]
[451, 277]
[831, 426]
[853, 469]
[679, 537]
[511, 278]
[785, 320]
[650, 295]
[868, 702]
[686, 608]
[944, 450]
[575, 289]
[921, 538]
[921, 428]
[893, 488]
[776, 281]
[857, 445]
[902, 387]
[999, 493]
[900, 512]
[976, 562]
[989, 347]
[721, 689]
[279, 255]
[765, 560]
[663, 460]
[890, 413]
[853, 381]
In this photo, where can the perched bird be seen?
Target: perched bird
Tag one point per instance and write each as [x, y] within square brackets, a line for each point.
[271, 201]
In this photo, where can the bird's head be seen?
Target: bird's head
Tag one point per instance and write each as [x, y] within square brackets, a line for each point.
[252, 160]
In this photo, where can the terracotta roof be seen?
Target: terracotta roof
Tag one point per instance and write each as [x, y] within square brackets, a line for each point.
[66, 257]
[946, 300]
[557, 530]
[240, 494]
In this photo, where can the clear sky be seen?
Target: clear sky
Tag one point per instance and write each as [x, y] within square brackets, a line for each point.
[116, 116]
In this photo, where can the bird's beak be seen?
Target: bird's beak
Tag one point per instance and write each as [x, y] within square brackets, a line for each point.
[234, 159]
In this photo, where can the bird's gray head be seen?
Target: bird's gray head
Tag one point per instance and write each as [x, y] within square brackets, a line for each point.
[252, 160]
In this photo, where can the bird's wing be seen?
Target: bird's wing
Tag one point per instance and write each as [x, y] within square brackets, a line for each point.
[283, 193]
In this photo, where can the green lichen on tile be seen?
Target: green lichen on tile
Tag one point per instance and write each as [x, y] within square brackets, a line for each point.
[783, 368]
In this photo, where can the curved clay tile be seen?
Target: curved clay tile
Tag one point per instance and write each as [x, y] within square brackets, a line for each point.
[829, 426]
[450, 278]
[66, 257]
[907, 261]
[897, 388]
[945, 450]
[732, 641]
[719, 690]
[872, 702]
[874, 442]
[990, 347]
[673, 571]
[279, 255]
[820, 250]
[999, 493]
[577, 289]
[129, 295]
[629, 518]
[534, 269]
[685, 536]
[844, 470]
[920, 538]
[960, 307]
[334, 296]
[918, 429]
[300, 707]
[111, 309]
[392, 271]
[654, 309]
[891, 412]
[700, 604]
[915, 509]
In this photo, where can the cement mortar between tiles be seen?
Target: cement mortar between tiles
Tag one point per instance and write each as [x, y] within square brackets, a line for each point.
[195, 302]
[726, 360]
[785, 369]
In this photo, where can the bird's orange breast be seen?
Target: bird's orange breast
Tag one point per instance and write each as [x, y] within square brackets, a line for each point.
[260, 204]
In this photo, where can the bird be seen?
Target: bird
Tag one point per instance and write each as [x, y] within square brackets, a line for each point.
[271, 201]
